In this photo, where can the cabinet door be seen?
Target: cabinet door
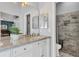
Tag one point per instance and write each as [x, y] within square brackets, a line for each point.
[45, 46]
[22, 49]
[5, 53]
[25, 54]
[40, 49]
[36, 51]
[48, 47]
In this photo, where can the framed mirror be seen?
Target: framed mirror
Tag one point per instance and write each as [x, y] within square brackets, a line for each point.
[40, 22]
[35, 22]
[43, 21]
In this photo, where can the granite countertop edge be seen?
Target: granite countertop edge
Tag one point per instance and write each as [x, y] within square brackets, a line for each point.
[3, 49]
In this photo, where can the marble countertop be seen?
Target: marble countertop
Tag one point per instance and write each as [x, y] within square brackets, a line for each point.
[21, 41]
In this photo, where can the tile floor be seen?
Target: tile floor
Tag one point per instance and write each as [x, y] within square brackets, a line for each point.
[62, 54]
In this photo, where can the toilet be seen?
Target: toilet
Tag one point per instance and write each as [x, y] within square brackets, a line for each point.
[58, 46]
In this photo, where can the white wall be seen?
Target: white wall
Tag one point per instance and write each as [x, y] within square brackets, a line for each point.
[44, 8]
[65, 7]
[32, 12]
[10, 8]
[13, 9]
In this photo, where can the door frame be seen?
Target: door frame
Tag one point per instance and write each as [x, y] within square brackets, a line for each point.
[27, 24]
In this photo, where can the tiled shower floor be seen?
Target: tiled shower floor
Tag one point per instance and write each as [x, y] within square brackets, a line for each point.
[62, 54]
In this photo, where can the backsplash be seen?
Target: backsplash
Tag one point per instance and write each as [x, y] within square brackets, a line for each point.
[68, 31]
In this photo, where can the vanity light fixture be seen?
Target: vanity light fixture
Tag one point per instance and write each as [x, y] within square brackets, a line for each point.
[24, 3]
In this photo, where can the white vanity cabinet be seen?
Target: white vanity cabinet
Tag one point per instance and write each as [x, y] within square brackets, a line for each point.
[45, 45]
[26, 54]
[20, 51]
[35, 49]
[41, 48]
[5, 53]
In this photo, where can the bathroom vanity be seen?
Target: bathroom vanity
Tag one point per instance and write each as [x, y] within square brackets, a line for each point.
[26, 46]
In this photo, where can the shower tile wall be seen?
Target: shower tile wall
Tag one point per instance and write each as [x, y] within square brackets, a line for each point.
[68, 31]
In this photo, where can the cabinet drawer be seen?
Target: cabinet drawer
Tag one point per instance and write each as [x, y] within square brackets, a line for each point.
[35, 44]
[22, 49]
[26, 54]
[42, 43]
[5, 53]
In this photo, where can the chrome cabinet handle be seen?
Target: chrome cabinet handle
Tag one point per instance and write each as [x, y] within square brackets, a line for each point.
[25, 49]
[42, 55]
